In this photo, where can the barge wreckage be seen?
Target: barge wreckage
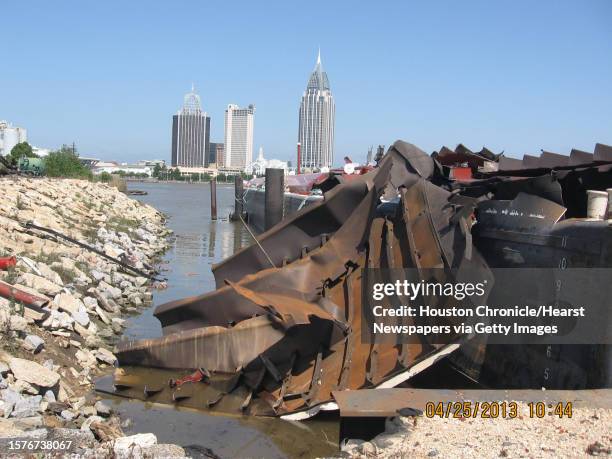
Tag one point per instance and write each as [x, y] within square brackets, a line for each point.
[283, 330]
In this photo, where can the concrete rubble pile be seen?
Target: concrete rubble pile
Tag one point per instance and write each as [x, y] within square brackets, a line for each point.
[61, 335]
[283, 330]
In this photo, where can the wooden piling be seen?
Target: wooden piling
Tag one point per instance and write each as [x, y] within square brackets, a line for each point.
[274, 197]
[213, 198]
[238, 197]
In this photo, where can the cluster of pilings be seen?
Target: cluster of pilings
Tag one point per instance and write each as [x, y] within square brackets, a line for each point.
[274, 197]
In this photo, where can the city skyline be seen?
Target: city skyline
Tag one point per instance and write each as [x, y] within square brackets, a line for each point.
[510, 80]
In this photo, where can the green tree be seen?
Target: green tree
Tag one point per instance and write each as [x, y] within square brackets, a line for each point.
[105, 177]
[175, 174]
[157, 171]
[65, 163]
[21, 149]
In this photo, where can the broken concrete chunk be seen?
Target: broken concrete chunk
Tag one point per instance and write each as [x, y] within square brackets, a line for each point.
[140, 281]
[33, 373]
[33, 343]
[26, 407]
[113, 251]
[97, 275]
[90, 302]
[102, 315]
[72, 305]
[165, 450]
[58, 320]
[103, 408]
[83, 438]
[125, 447]
[111, 291]
[106, 356]
[85, 358]
[91, 419]
[49, 274]
[40, 284]
[22, 387]
[68, 415]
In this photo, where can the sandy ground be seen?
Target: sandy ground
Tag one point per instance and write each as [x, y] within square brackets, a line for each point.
[587, 433]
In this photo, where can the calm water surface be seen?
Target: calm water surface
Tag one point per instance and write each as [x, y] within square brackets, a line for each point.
[196, 245]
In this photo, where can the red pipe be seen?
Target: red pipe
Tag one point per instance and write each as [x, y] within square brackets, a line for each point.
[7, 262]
[9, 292]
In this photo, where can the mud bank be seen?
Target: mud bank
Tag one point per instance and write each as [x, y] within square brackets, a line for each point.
[54, 348]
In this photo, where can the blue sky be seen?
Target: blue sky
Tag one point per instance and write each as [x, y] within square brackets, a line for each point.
[512, 75]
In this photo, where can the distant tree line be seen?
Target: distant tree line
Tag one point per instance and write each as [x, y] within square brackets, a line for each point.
[65, 163]
[166, 173]
[60, 163]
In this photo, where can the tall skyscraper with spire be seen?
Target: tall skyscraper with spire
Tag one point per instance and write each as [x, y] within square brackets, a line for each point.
[317, 119]
[190, 133]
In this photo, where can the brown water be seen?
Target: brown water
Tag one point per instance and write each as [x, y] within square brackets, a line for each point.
[197, 244]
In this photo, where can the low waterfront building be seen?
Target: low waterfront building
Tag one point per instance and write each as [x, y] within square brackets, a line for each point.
[41, 152]
[112, 167]
[258, 167]
[189, 171]
[210, 171]
[151, 162]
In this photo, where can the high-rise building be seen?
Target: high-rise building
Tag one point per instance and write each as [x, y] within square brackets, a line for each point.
[239, 136]
[190, 133]
[317, 118]
[10, 136]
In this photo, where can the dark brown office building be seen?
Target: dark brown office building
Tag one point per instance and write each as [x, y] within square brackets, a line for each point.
[191, 134]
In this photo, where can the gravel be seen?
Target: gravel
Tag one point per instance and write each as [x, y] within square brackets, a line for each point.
[587, 433]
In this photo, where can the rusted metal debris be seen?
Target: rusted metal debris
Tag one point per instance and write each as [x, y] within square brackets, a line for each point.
[282, 331]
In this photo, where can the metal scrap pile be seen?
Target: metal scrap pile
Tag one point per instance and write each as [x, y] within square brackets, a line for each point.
[276, 340]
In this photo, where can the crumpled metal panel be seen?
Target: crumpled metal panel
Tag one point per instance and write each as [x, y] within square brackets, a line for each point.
[289, 335]
[274, 340]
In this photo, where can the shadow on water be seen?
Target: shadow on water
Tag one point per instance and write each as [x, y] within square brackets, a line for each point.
[197, 244]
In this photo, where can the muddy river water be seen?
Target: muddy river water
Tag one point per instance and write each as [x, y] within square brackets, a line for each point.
[197, 244]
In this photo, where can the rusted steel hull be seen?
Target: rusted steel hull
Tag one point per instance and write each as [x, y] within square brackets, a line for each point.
[287, 336]
[283, 329]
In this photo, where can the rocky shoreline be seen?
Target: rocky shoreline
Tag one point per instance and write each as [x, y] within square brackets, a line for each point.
[54, 345]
